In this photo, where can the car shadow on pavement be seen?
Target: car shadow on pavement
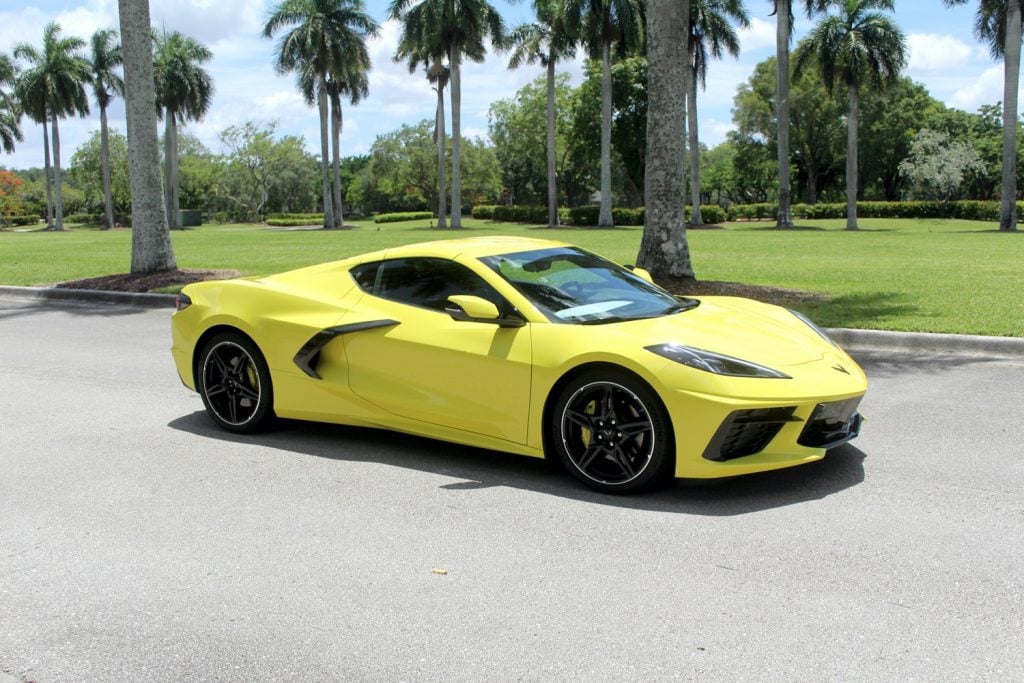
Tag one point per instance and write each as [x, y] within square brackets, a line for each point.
[477, 468]
[878, 364]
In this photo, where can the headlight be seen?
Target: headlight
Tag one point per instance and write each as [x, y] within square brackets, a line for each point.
[820, 332]
[716, 363]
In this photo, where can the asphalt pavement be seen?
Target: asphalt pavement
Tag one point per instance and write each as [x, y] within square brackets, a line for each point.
[138, 542]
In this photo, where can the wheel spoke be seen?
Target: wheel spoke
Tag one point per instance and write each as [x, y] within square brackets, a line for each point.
[581, 419]
[588, 457]
[629, 429]
[233, 408]
[214, 390]
[623, 461]
[248, 393]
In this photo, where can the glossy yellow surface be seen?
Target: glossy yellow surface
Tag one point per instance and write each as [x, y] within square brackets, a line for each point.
[481, 384]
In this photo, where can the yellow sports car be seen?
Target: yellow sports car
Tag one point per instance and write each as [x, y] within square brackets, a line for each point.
[527, 346]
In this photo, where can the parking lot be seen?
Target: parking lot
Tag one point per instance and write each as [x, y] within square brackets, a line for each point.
[139, 542]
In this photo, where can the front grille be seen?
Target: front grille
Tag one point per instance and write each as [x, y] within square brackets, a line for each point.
[746, 432]
[832, 424]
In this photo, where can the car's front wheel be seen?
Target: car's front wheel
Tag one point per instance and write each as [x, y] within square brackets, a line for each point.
[234, 382]
[611, 432]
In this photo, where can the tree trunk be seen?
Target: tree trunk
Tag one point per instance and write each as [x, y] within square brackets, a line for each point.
[151, 241]
[336, 160]
[782, 27]
[325, 159]
[552, 175]
[58, 198]
[171, 175]
[108, 198]
[664, 250]
[695, 217]
[604, 218]
[48, 175]
[454, 60]
[442, 199]
[1011, 78]
[685, 114]
[851, 159]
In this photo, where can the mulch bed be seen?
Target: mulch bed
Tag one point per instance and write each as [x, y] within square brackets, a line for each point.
[147, 282]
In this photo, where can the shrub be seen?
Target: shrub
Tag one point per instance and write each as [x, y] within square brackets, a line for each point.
[17, 219]
[584, 215]
[87, 218]
[624, 216]
[713, 214]
[402, 216]
[314, 217]
[293, 222]
[521, 214]
[483, 211]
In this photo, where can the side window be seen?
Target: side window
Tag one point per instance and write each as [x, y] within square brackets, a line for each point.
[423, 282]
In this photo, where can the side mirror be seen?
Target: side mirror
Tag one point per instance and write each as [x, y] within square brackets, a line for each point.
[478, 310]
[642, 273]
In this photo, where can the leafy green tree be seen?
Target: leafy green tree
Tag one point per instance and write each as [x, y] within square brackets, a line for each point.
[601, 26]
[938, 166]
[151, 240]
[461, 27]
[322, 39]
[51, 88]
[711, 35]
[543, 41]
[201, 177]
[184, 92]
[664, 249]
[105, 57]
[87, 173]
[10, 112]
[518, 131]
[858, 45]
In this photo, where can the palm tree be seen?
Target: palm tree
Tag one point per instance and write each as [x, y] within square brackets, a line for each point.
[858, 45]
[600, 26]
[51, 88]
[184, 91]
[710, 30]
[998, 23]
[355, 87]
[543, 42]
[10, 112]
[106, 83]
[428, 51]
[783, 10]
[322, 38]
[664, 250]
[460, 27]
[151, 241]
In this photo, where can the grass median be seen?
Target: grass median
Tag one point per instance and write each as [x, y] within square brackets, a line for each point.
[896, 274]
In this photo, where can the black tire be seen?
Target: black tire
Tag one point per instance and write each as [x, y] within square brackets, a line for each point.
[234, 382]
[610, 431]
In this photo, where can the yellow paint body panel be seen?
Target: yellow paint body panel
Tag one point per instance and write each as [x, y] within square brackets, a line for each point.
[480, 384]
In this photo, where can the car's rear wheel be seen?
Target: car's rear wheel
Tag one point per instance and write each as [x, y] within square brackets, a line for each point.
[611, 432]
[234, 382]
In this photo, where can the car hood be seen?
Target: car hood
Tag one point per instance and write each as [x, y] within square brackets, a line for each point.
[741, 328]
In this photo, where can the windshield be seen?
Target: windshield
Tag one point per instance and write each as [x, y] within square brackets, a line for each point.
[570, 285]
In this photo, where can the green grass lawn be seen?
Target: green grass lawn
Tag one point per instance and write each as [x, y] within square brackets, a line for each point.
[897, 274]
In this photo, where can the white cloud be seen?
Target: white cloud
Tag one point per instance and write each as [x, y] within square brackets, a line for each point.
[209, 21]
[930, 52]
[986, 88]
[758, 35]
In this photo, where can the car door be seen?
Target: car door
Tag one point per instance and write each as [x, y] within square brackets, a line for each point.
[472, 376]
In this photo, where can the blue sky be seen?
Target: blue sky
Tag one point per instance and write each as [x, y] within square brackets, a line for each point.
[945, 57]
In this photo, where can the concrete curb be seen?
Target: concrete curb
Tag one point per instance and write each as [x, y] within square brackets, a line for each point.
[139, 299]
[851, 340]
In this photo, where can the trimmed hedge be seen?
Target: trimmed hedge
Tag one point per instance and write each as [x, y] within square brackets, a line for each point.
[402, 216]
[484, 212]
[87, 218]
[293, 222]
[966, 209]
[315, 217]
[19, 219]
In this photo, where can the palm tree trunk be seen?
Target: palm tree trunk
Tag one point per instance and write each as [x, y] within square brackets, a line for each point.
[851, 159]
[171, 154]
[336, 159]
[454, 61]
[325, 159]
[552, 176]
[151, 242]
[782, 28]
[108, 199]
[442, 199]
[58, 199]
[695, 217]
[48, 176]
[1011, 78]
[604, 218]
[664, 249]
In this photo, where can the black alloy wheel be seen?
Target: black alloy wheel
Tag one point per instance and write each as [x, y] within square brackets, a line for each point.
[612, 433]
[234, 383]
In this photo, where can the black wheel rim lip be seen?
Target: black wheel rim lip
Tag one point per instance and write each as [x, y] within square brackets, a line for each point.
[248, 360]
[615, 386]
